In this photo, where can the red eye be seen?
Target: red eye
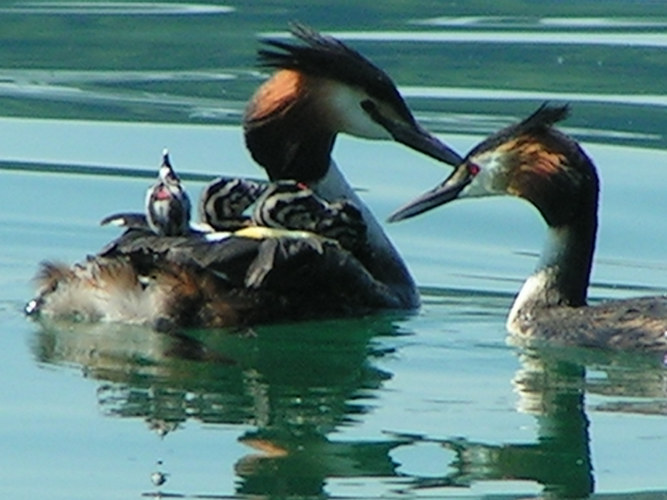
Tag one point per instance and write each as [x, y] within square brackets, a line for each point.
[473, 169]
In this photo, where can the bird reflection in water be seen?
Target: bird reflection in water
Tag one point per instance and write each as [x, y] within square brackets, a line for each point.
[297, 384]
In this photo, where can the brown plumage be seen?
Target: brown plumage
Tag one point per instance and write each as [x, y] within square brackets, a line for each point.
[632, 324]
[534, 161]
[258, 281]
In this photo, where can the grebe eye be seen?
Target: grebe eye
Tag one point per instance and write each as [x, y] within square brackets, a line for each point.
[473, 169]
[368, 106]
[371, 110]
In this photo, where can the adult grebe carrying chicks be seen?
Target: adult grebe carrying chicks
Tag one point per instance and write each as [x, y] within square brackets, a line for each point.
[339, 261]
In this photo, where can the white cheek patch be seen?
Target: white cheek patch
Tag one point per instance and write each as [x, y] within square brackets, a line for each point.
[477, 188]
[345, 104]
[486, 182]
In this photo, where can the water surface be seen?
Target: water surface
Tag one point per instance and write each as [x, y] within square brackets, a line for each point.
[433, 403]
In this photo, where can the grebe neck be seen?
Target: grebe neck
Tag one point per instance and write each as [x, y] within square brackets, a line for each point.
[563, 273]
[382, 260]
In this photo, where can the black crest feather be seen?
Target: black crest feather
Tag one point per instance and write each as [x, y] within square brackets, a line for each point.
[325, 56]
[539, 122]
[544, 117]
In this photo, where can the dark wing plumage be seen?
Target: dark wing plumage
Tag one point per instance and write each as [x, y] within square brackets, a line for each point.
[172, 282]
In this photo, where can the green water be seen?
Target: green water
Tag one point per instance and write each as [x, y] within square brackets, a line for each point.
[426, 404]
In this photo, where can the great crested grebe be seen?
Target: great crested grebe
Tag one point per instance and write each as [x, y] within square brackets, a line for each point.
[222, 205]
[166, 274]
[322, 88]
[534, 161]
[260, 274]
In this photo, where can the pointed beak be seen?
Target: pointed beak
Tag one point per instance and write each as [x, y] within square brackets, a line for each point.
[443, 193]
[414, 136]
[421, 140]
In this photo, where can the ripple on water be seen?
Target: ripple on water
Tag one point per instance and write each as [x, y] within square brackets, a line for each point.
[579, 38]
[114, 9]
[550, 22]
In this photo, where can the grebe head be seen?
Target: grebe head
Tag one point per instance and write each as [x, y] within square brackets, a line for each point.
[224, 200]
[531, 160]
[321, 88]
[167, 203]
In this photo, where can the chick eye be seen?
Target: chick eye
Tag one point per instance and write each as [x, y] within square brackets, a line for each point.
[473, 169]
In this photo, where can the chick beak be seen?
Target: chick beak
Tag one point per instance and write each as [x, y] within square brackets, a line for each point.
[449, 190]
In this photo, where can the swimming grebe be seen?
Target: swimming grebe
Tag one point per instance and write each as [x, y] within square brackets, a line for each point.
[534, 161]
[167, 278]
[321, 88]
[262, 274]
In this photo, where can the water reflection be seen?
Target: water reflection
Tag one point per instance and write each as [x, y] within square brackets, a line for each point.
[534, 22]
[296, 384]
[300, 380]
[551, 385]
[558, 459]
[130, 91]
[552, 391]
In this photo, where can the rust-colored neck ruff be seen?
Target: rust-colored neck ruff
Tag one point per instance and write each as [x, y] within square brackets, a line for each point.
[286, 131]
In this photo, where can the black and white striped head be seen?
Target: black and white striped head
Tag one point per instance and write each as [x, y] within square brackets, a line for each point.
[292, 205]
[224, 201]
[323, 87]
[167, 203]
